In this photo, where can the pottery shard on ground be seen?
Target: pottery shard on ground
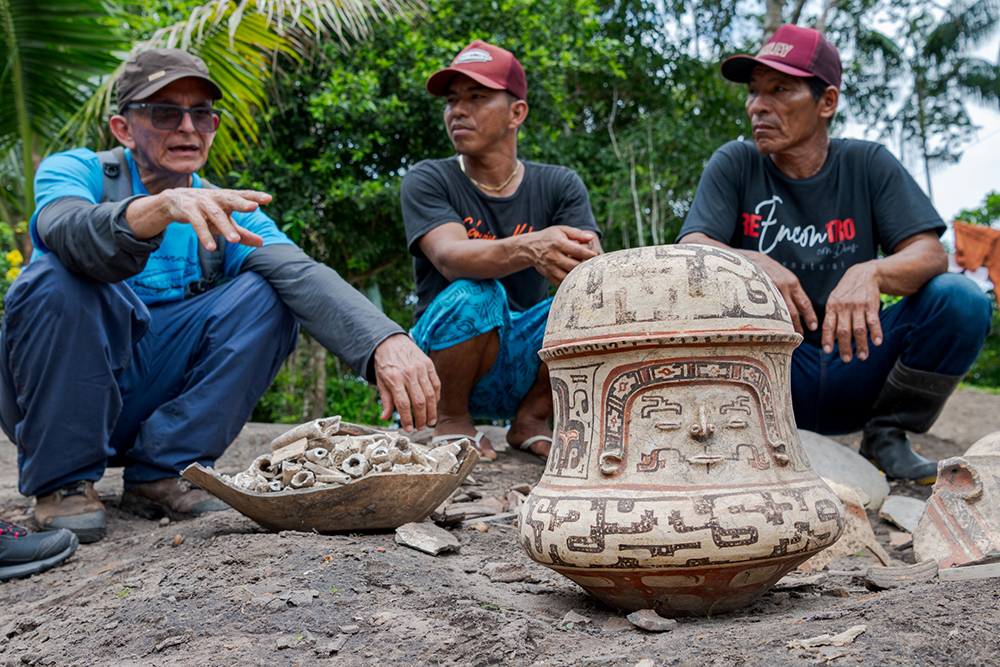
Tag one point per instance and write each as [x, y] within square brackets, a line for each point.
[903, 511]
[832, 460]
[857, 536]
[881, 578]
[426, 537]
[572, 619]
[843, 639]
[960, 525]
[506, 573]
[649, 620]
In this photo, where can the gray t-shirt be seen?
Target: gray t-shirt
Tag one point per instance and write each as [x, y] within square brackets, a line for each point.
[436, 192]
[817, 227]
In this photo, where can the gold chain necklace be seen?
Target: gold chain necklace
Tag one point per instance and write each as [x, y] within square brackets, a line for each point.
[489, 188]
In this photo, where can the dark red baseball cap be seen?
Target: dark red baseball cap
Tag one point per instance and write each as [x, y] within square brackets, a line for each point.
[489, 65]
[793, 50]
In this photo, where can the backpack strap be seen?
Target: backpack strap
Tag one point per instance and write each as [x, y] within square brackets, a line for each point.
[118, 187]
[211, 262]
[117, 175]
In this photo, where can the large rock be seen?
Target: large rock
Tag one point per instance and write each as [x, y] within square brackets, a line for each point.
[832, 460]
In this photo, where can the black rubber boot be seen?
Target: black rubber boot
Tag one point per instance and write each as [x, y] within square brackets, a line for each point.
[910, 400]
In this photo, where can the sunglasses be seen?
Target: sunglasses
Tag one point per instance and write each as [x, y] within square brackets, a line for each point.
[170, 116]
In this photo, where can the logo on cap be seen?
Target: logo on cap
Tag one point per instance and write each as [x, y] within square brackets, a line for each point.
[472, 56]
[157, 75]
[778, 49]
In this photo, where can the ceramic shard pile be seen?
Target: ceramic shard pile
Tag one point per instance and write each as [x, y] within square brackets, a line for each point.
[324, 453]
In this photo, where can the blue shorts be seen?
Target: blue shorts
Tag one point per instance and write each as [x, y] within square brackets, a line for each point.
[469, 308]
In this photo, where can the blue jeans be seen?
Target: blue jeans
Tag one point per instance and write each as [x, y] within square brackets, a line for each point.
[89, 374]
[940, 329]
[469, 308]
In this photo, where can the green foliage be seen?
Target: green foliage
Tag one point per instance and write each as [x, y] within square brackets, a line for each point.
[986, 214]
[346, 395]
[348, 125]
[985, 372]
[915, 87]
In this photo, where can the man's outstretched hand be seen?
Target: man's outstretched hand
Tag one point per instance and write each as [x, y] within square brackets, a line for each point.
[208, 211]
[407, 382]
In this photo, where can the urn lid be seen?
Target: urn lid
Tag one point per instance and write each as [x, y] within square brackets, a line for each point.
[691, 292]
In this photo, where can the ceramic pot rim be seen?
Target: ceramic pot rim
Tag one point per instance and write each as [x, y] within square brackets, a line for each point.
[617, 342]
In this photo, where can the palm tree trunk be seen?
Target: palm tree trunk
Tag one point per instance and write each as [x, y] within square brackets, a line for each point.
[922, 122]
[772, 18]
[23, 121]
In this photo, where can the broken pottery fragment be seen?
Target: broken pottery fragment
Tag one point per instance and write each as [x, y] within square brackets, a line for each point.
[961, 524]
[303, 479]
[317, 428]
[426, 537]
[676, 480]
[649, 620]
[857, 536]
[506, 573]
[882, 578]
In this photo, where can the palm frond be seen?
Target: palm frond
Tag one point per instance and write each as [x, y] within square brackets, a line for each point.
[62, 48]
[966, 23]
[239, 40]
[981, 80]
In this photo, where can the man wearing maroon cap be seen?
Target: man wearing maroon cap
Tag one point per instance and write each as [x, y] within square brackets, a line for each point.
[489, 233]
[814, 213]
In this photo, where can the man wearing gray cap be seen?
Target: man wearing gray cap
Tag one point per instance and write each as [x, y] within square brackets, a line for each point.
[157, 309]
[836, 223]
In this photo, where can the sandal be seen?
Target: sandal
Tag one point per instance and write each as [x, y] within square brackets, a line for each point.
[526, 445]
[438, 439]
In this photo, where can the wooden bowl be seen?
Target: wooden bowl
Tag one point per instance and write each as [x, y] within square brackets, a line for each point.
[378, 501]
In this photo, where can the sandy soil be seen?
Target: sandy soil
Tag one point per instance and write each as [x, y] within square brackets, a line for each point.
[222, 591]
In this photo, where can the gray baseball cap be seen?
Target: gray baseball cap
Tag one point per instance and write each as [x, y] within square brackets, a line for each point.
[148, 71]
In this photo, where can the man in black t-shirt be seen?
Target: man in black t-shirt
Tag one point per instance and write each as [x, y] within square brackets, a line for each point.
[814, 213]
[489, 233]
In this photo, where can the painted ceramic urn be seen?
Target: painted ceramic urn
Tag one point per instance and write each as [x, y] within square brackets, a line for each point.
[676, 480]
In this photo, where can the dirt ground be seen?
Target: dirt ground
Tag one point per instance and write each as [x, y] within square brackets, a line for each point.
[221, 591]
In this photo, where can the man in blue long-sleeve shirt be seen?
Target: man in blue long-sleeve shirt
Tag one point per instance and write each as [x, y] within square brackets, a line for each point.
[124, 343]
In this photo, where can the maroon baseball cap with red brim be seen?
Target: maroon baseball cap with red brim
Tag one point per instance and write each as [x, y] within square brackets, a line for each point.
[793, 50]
[490, 65]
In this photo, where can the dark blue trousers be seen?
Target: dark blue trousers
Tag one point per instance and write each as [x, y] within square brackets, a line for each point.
[90, 375]
[940, 329]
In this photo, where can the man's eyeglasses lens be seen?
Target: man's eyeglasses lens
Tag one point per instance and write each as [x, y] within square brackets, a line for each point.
[170, 116]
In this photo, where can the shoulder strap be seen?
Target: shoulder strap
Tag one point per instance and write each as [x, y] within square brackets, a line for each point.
[117, 175]
[118, 187]
[211, 262]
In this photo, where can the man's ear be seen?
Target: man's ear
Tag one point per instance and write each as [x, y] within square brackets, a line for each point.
[518, 113]
[828, 102]
[122, 130]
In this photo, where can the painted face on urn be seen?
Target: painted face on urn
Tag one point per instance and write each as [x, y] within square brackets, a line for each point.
[702, 433]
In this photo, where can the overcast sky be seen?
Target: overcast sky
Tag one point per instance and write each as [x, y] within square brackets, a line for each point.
[966, 184]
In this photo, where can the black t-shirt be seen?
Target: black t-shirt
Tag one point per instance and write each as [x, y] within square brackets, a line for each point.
[435, 192]
[817, 227]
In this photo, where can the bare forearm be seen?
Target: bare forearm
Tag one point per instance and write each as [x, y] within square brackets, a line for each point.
[149, 216]
[914, 262]
[483, 259]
